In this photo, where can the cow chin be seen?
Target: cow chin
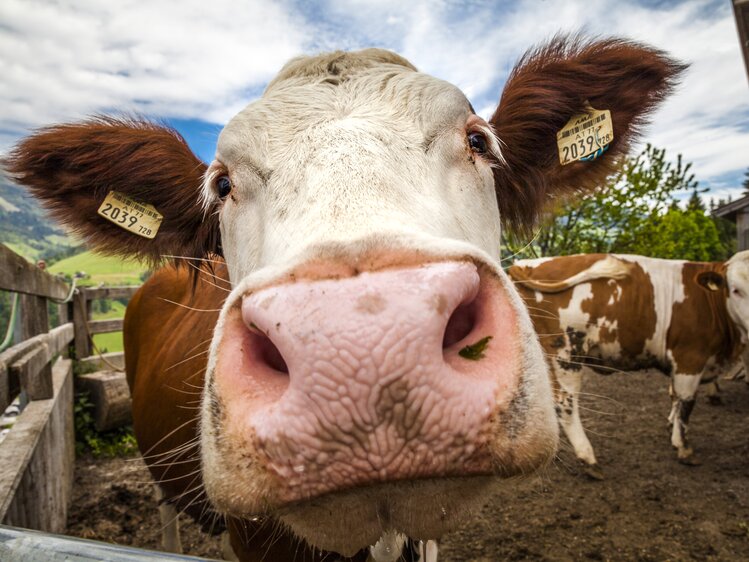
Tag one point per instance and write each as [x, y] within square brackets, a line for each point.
[347, 521]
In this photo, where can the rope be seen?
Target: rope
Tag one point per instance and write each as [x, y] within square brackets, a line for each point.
[11, 324]
[70, 294]
[5, 344]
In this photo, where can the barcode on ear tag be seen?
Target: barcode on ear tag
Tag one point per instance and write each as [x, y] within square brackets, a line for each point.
[585, 137]
[136, 217]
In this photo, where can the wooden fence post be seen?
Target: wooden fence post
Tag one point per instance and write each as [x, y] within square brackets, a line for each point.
[81, 314]
[35, 321]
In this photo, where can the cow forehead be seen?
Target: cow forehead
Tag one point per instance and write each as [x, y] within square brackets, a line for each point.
[362, 92]
[738, 269]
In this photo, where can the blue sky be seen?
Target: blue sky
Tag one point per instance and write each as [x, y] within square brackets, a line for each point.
[195, 64]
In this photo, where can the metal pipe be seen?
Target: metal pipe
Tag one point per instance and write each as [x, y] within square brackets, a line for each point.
[23, 545]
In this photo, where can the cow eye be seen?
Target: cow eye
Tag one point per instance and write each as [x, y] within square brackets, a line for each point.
[477, 142]
[223, 186]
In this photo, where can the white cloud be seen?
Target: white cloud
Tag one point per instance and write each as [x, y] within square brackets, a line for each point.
[206, 60]
[187, 59]
[707, 120]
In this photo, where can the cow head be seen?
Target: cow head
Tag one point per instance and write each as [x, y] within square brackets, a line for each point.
[372, 368]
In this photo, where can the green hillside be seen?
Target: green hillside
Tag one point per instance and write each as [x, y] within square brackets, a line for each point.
[25, 228]
[99, 269]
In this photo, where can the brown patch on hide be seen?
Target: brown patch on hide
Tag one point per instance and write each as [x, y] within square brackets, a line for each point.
[549, 85]
[626, 307]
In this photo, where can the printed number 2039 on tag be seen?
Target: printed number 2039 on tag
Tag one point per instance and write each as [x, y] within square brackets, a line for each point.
[139, 218]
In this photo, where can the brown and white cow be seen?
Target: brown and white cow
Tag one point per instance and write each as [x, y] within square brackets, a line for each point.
[607, 312]
[356, 207]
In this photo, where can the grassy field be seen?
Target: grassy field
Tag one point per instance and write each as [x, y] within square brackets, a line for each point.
[113, 341]
[109, 343]
[101, 269]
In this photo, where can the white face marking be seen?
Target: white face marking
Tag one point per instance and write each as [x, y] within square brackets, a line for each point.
[737, 275]
[360, 165]
[381, 162]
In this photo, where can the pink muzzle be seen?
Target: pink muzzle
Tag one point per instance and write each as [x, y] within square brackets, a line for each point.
[337, 383]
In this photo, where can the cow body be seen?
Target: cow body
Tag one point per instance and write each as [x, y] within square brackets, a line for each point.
[621, 313]
[355, 206]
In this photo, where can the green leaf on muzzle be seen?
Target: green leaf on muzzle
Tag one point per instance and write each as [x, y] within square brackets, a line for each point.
[475, 351]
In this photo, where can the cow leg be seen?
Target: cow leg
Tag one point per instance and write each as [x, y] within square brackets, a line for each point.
[226, 549]
[568, 410]
[170, 540]
[683, 393]
[712, 391]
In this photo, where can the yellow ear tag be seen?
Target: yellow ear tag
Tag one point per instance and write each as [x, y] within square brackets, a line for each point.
[139, 218]
[585, 137]
[712, 286]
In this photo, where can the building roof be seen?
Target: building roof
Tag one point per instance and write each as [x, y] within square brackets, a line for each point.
[729, 210]
[741, 11]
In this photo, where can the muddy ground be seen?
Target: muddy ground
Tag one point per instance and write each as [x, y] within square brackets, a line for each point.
[649, 507]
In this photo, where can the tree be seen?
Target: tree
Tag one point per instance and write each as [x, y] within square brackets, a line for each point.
[680, 234]
[637, 212]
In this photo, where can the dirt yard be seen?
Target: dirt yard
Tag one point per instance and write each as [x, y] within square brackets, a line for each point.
[649, 507]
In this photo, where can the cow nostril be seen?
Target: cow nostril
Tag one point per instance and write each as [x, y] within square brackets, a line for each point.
[272, 356]
[460, 324]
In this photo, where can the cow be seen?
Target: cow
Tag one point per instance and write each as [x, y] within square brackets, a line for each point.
[610, 312]
[345, 362]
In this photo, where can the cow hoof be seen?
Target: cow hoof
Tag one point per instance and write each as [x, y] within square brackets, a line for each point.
[687, 458]
[593, 471]
[715, 400]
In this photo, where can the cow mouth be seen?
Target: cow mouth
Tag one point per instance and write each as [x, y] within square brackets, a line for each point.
[422, 510]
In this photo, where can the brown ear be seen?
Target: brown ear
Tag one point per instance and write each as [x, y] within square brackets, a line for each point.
[550, 85]
[711, 280]
[71, 169]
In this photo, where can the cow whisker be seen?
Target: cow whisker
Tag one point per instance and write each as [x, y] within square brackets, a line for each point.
[189, 258]
[187, 359]
[168, 435]
[521, 250]
[190, 307]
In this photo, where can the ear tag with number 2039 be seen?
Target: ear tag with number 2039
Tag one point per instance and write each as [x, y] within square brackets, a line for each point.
[136, 217]
[585, 137]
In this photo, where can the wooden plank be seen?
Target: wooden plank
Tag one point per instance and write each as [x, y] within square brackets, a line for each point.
[56, 340]
[20, 276]
[37, 458]
[105, 326]
[110, 396]
[33, 371]
[111, 292]
[81, 314]
[34, 374]
[115, 358]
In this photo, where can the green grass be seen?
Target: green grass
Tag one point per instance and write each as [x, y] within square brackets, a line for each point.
[101, 269]
[117, 311]
[109, 343]
[112, 341]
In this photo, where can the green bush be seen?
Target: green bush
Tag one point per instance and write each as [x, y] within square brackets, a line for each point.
[114, 443]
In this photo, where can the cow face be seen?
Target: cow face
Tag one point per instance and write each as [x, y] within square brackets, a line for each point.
[372, 367]
[737, 279]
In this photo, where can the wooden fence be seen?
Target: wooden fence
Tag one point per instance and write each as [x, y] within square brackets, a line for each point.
[38, 453]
